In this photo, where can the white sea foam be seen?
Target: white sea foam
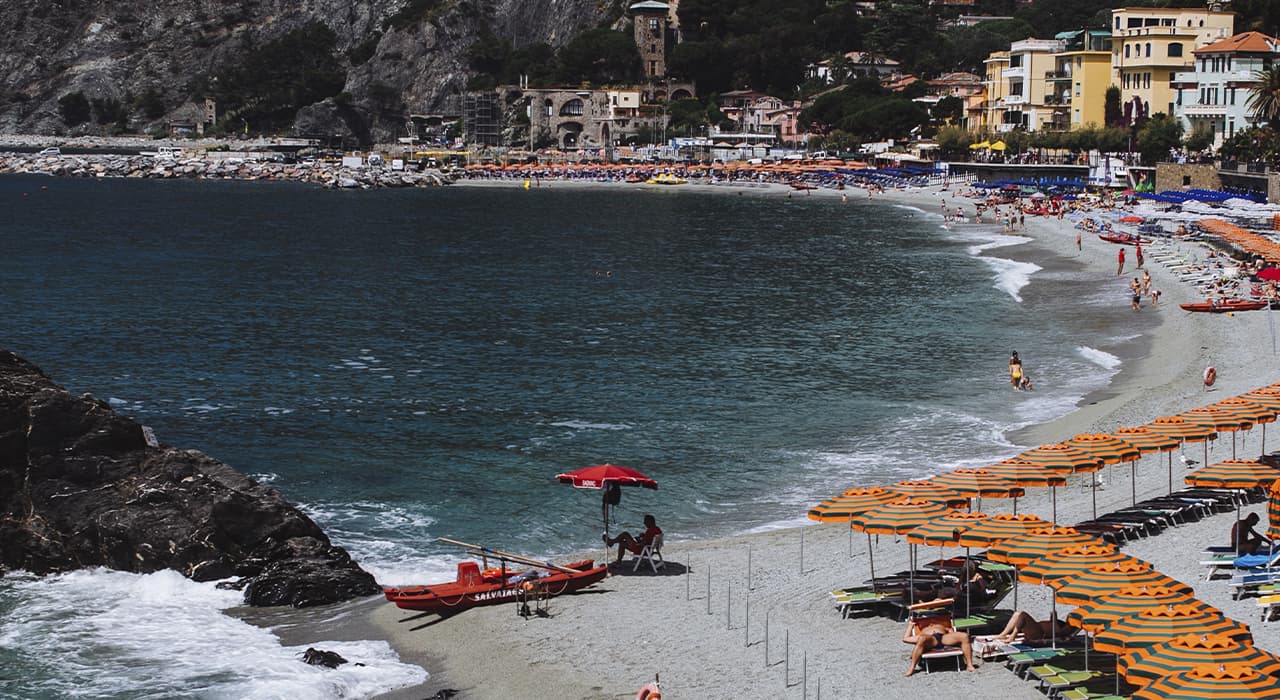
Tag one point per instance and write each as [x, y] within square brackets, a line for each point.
[112, 633]
[587, 425]
[1098, 357]
[1011, 275]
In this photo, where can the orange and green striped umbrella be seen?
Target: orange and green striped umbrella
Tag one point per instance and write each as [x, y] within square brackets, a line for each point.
[1273, 512]
[927, 489]
[1027, 473]
[1185, 430]
[1068, 561]
[1024, 549]
[944, 530]
[1211, 682]
[1234, 474]
[894, 518]
[979, 483]
[1109, 449]
[1256, 411]
[1222, 421]
[1159, 624]
[1063, 458]
[1267, 396]
[1105, 609]
[1148, 441]
[1098, 580]
[1180, 653]
[852, 502]
[1000, 526]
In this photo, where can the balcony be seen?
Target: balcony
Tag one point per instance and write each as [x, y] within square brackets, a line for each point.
[1058, 100]
[1057, 76]
[1011, 100]
[1204, 110]
[1018, 72]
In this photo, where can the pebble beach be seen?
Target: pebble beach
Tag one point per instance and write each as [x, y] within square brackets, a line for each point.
[752, 615]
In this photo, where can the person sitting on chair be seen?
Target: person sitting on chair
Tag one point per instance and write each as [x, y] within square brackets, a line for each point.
[935, 634]
[1032, 630]
[1244, 538]
[627, 543]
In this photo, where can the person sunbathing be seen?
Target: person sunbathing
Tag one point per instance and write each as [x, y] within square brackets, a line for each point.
[628, 543]
[1032, 630]
[933, 635]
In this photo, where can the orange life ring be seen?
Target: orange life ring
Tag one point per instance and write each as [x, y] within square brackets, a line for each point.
[650, 691]
[1210, 376]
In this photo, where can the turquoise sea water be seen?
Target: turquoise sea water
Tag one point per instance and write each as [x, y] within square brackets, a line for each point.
[412, 364]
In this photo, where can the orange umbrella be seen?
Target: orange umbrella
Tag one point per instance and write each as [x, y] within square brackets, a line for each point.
[1159, 624]
[1226, 681]
[1148, 441]
[1063, 459]
[1094, 615]
[926, 489]
[944, 530]
[1026, 473]
[894, 517]
[1188, 650]
[1273, 512]
[979, 483]
[1234, 474]
[1256, 411]
[1070, 560]
[1000, 526]
[1110, 450]
[1221, 421]
[1083, 587]
[852, 502]
[1022, 550]
[1185, 430]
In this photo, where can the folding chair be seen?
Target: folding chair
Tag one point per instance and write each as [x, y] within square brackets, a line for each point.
[651, 551]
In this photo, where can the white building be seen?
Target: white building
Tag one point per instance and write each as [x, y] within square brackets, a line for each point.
[1216, 94]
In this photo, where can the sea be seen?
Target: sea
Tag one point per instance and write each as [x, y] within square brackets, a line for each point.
[405, 365]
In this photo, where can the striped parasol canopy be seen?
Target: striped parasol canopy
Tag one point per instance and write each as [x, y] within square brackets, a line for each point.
[1000, 526]
[896, 517]
[1035, 544]
[1063, 458]
[926, 489]
[1186, 651]
[1095, 615]
[1260, 413]
[1109, 449]
[1068, 561]
[1273, 512]
[1080, 588]
[852, 502]
[1222, 421]
[1209, 681]
[1185, 430]
[979, 483]
[1267, 396]
[1234, 474]
[1148, 441]
[1162, 623]
[944, 530]
[1027, 473]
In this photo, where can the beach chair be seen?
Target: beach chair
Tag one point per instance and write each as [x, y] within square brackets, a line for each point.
[924, 614]
[651, 553]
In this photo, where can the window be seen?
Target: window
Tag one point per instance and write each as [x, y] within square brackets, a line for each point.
[1148, 49]
[1117, 21]
[1126, 50]
[1146, 81]
[1233, 96]
[1175, 50]
[572, 108]
[1186, 180]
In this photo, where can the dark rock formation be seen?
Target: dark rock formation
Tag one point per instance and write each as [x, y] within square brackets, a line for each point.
[80, 487]
[320, 657]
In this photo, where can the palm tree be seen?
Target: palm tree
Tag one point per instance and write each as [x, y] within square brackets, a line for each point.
[1264, 96]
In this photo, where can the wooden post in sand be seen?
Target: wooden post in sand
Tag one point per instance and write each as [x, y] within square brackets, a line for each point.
[749, 586]
[786, 660]
[766, 639]
[708, 589]
[801, 551]
[746, 635]
[688, 571]
[728, 605]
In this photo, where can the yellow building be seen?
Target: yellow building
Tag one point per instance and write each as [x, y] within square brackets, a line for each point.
[1079, 81]
[1149, 45]
[992, 115]
[1027, 97]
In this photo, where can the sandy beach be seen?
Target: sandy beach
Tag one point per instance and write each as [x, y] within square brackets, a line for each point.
[751, 615]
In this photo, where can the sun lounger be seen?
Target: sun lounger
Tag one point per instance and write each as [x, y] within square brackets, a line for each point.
[1269, 604]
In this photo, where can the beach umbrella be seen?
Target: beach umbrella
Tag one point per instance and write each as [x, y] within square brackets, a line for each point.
[600, 476]
[1186, 651]
[1185, 431]
[894, 518]
[979, 145]
[1000, 526]
[1148, 441]
[852, 502]
[1063, 459]
[1221, 421]
[1234, 474]
[1025, 473]
[1070, 560]
[979, 483]
[1162, 623]
[1084, 586]
[1255, 411]
[1206, 681]
[1022, 550]
[925, 489]
[1095, 615]
[998, 146]
[1273, 512]
[944, 530]
[1110, 450]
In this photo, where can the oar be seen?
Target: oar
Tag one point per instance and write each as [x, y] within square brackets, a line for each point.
[513, 557]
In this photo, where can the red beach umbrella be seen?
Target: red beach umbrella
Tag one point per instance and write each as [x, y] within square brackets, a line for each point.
[1070, 560]
[1099, 579]
[600, 475]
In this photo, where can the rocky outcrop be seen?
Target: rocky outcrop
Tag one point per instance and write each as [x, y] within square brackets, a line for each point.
[401, 57]
[80, 486]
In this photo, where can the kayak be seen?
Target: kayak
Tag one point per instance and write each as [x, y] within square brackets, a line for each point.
[474, 587]
[1122, 238]
[1224, 306]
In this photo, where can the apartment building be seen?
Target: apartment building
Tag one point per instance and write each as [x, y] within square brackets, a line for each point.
[1215, 93]
[1150, 45]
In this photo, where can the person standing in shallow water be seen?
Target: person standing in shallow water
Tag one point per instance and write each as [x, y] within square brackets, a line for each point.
[1015, 370]
[1120, 265]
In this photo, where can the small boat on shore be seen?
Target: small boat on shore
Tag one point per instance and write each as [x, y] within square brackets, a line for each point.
[1224, 306]
[1123, 238]
[665, 179]
[475, 587]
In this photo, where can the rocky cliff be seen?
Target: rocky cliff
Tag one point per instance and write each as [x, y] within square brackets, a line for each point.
[80, 486]
[139, 63]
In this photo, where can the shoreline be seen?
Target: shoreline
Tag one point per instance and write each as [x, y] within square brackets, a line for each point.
[707, 640]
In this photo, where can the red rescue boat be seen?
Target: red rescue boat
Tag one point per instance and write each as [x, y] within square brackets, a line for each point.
[1123, 238]
[1224, 306]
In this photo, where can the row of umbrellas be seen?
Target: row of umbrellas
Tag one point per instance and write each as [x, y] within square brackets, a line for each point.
[1049, 465]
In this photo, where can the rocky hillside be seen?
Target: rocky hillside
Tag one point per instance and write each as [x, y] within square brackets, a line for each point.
[97, 66]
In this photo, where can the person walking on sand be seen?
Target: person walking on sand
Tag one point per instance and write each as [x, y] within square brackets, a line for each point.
[1146, 282]
[1136, 288]
[1120, 264]
[1078, 245]
[1137, 253]
[1015, 370]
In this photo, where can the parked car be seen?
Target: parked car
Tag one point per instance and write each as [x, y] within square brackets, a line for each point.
[51, 151]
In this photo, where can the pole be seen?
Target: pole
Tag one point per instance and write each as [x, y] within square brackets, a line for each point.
[708, 589]
[766, 639]
[688, 571]
[802, 551]
[728, 605]
[746, 642]
[786, 660]
[749, 586]
[804, 674]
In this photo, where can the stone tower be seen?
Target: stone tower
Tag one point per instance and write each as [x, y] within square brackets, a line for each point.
[649, 18]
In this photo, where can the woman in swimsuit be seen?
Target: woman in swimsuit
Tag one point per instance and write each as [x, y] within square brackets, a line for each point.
[1015, 370]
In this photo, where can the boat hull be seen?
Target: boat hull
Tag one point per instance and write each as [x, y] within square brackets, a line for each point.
[456, 596]
[1224, 306]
